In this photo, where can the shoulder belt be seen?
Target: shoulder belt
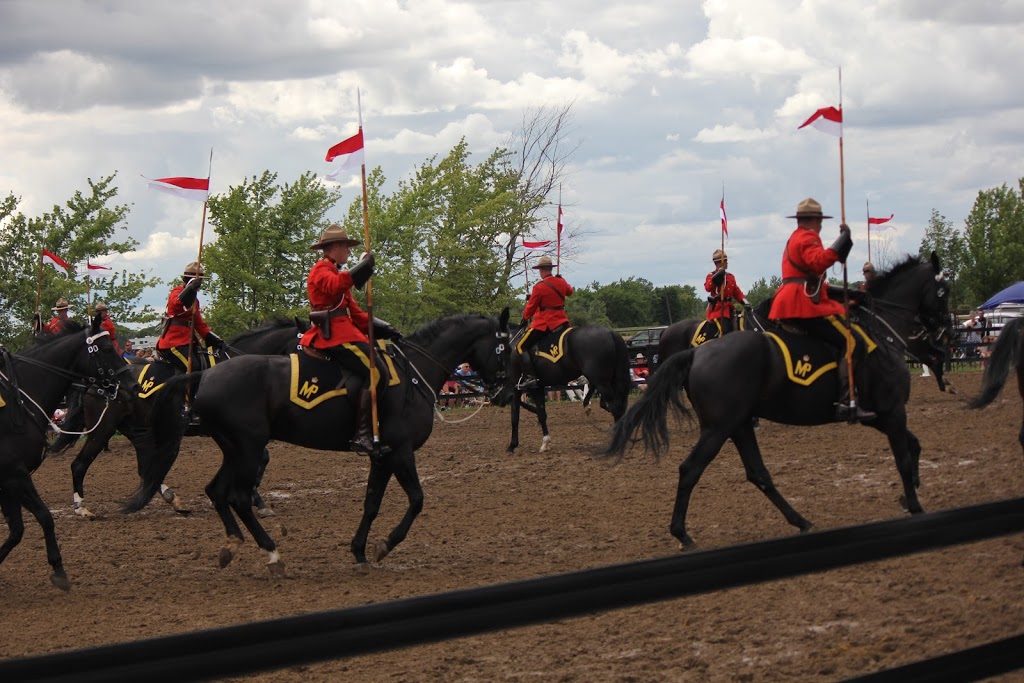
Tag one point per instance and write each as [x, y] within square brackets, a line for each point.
[555, 290]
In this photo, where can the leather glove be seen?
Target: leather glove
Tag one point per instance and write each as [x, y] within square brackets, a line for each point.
[187, 296]
[214, 342]
[385, 330]
[844, 243]
[37, 324]
[362, 271]
[524, 322]
[718, 278]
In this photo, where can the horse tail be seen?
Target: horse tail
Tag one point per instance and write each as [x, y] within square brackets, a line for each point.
[167, 423]
[621, 383]
[1008, 350]
[649, 414]
[74, 421]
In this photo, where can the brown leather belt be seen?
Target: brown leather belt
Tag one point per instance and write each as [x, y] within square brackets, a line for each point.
[798, 280]
[552, 308]
[334, 312]
[182, 323]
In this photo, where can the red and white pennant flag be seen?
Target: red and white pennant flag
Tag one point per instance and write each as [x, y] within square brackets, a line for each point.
[56, 261]
[827, 120]
[97, 271]
[725, 221]
[536, 245]
[880, 221]
[196, 189]
[348, 154]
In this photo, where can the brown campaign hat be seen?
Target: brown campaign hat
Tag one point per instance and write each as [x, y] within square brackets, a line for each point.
[61, 305]
[334, 233]
[808, 208]
[194, 269]
[719, 255]
[100, 306]
[544, 262]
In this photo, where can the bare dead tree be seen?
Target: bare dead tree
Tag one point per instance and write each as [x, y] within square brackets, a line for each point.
[541, 150]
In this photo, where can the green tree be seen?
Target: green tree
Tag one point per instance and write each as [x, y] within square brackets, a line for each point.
[261, 257]
[993, 243]
[946, 241]
[81, 229]
[763, 289]
[585, 307]
[676, 302]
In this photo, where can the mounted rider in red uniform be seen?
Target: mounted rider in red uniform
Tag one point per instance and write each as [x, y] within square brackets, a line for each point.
[340, 326]
[56, 324]
[546, 312]
[802, 300]
[103, 311]
[184, 324]
[722, 287]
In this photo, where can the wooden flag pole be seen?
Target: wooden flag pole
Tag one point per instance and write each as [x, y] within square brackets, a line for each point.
[558, 234]
[846, 281]
[369, 294]
[199, 264]
[867, 209]
[39, 291]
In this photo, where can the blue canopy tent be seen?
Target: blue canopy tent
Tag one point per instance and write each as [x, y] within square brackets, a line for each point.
[1014, 294]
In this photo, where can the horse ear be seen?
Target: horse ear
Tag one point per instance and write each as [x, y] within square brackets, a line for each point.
[96, 320]
[935, 262]
[503, 320]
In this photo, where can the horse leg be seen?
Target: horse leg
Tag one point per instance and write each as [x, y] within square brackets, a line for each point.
[690, 471]
[22, 490]
[539, 397]
[79, 468]
[404, 467]
[757, 474]
[219, 492]
[241, 503]
[903, 443]
[376, 485]
[262, 509]
[914, 452]
[15, 524]
[588, 393]
[514, 409]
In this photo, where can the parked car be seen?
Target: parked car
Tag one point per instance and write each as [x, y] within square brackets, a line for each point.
[645, 342]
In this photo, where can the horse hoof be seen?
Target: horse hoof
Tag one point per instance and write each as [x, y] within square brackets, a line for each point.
[586, 411]
[545, 444]
[276, 569]
[61, 581]
[168, 495]
[361, 568]
[227, 553]
[380, 551]
[84, 512]
[687, 545]
[265, 512]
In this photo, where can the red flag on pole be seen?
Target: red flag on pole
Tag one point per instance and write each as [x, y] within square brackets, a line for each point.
[879, 221]
[196, 189]
[827, 120]
[56, 261]
[725, 221]
[348, 152]
[535, 245]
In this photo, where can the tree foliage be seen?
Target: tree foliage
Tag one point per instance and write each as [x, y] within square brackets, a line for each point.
[993, 242]
[261, 257]
[84, 227]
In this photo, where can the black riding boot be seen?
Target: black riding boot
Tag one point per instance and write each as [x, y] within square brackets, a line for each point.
[529, 379]
[844, 411]
[362, 440]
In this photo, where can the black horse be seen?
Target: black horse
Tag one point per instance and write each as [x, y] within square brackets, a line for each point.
[922, 346]
[598, 353]
[32, 384]
[1008, 352]
[246, 402]
[688, 334]
[154, 423]
[746, 375]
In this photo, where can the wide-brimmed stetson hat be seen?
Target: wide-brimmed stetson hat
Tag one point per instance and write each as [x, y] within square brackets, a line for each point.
[808, 208]
[334, 234]
[61, 305]
[100, 306]
[719, 255]
[544, 262]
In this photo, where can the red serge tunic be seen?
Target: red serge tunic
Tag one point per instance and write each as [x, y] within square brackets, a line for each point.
[178, 331]
[108, 325]
[723, 307]
[546, 307]
[805, 258]
[330, 288]
[54, 326]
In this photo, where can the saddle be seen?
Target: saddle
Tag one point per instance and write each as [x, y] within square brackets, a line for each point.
[807, 358]
[552, 346]
[315, 378]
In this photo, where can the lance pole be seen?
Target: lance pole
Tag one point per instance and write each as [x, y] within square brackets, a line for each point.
[199, 265]
[558, 234]
[39, 291]
[867, 211]
[369, 293]
[846, 281]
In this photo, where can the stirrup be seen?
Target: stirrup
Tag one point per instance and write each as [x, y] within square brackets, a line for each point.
[526, 382]
[853, 414]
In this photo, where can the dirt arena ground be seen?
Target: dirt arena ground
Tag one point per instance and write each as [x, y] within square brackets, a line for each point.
[490, 517]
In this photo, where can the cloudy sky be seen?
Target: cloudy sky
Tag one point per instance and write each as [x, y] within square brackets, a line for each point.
[672, 99]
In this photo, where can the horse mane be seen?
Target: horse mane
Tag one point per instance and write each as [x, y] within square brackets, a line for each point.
[432, 330]
[45, 337]
[880, 286]
[274, 323]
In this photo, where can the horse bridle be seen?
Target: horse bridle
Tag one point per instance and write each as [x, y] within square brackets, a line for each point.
[499, 348]
[107, 388]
